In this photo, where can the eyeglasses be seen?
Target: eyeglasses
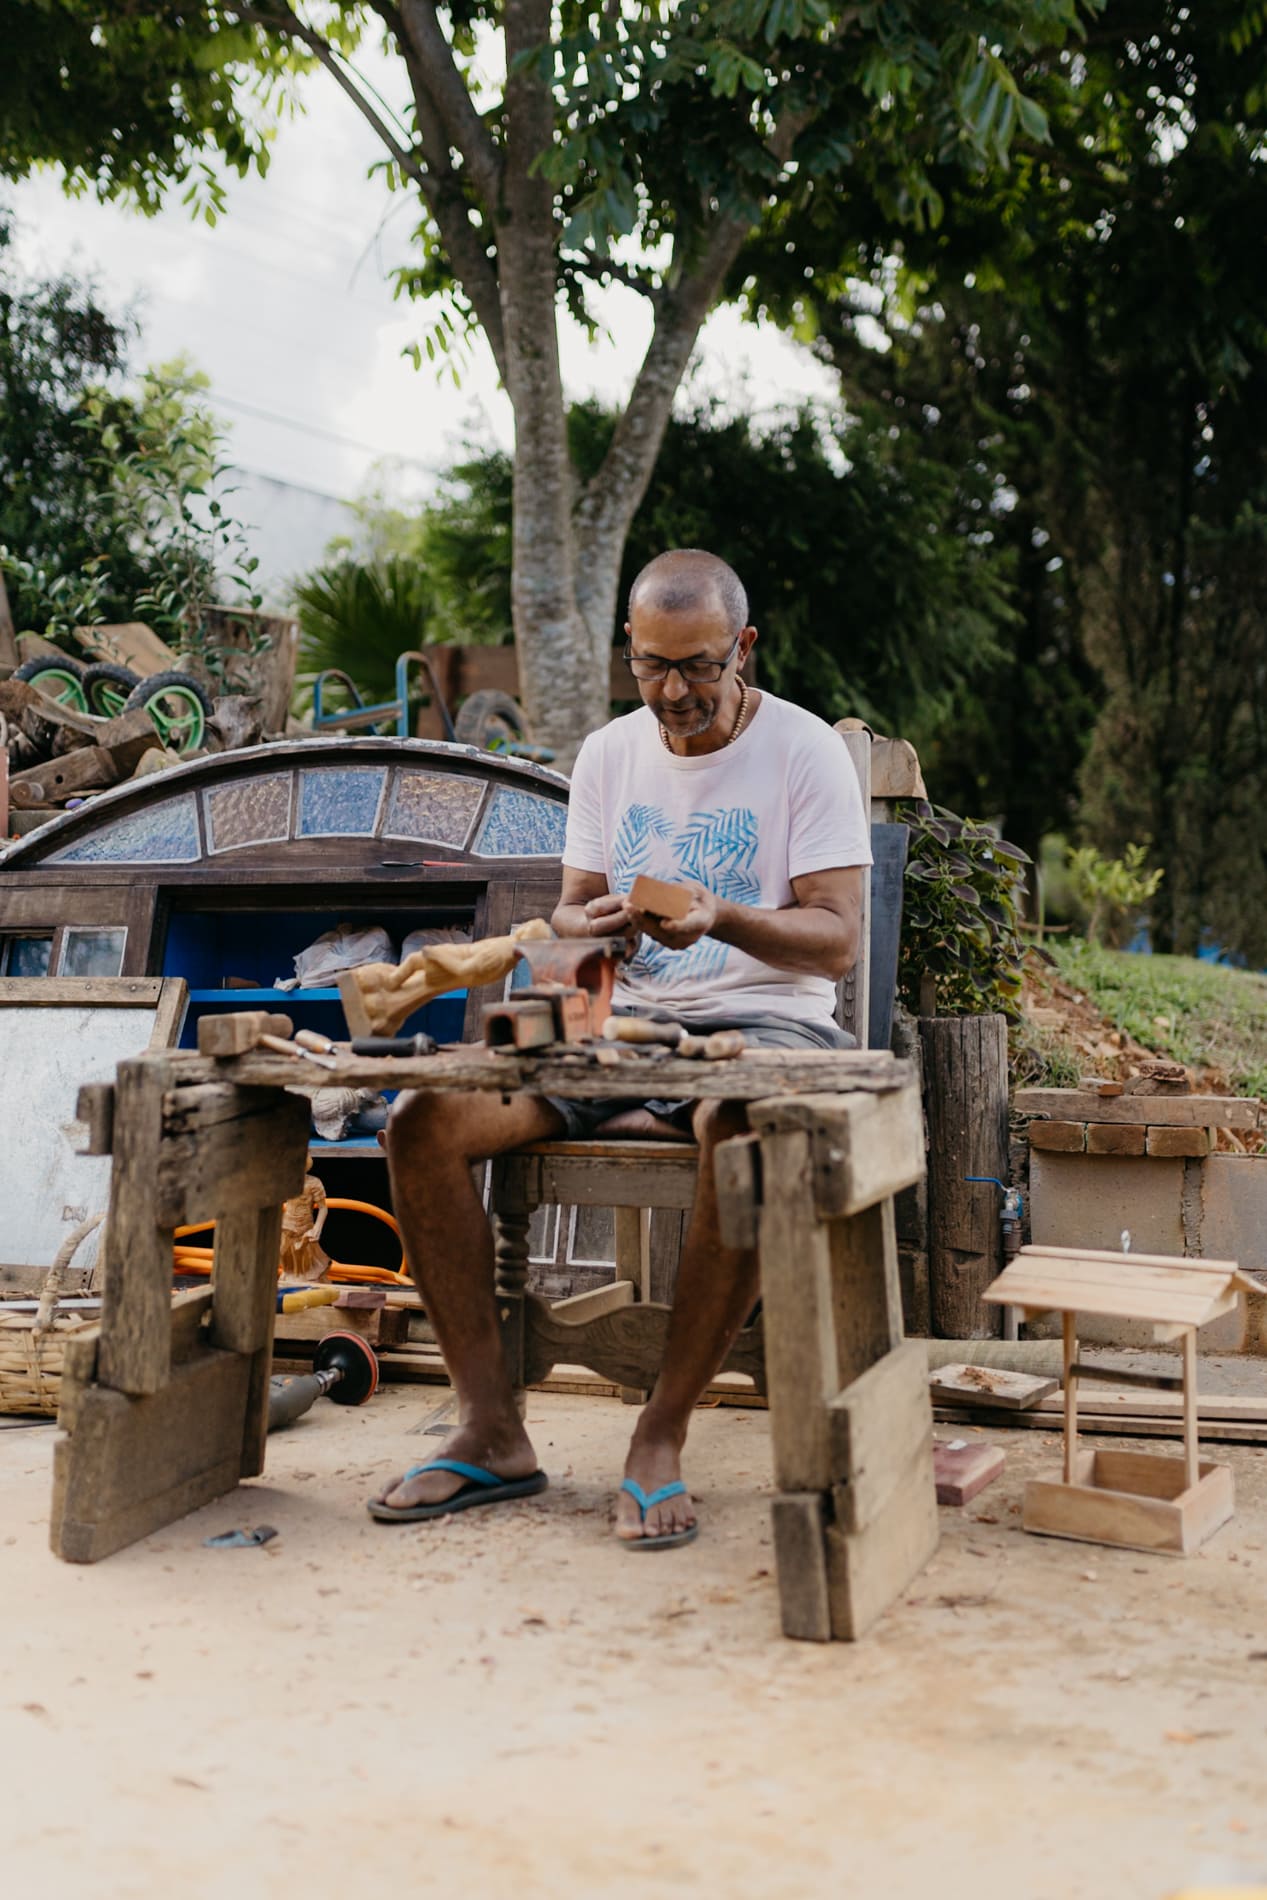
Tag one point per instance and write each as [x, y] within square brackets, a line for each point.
[652, 666]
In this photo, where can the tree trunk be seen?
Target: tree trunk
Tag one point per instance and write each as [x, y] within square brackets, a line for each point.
[564, 695]
[965, 1079]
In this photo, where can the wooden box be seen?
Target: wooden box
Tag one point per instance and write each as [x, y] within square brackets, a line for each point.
[1135, 1499]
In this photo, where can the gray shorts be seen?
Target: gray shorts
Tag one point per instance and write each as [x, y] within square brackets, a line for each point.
[760, 1032]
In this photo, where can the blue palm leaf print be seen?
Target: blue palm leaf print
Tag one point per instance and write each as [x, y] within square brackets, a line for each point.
[641, 828]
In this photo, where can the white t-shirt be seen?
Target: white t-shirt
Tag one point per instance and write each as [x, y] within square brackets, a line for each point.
[779, 803]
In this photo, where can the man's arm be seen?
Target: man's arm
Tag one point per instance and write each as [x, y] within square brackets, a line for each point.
[818, 934]
[587, 908]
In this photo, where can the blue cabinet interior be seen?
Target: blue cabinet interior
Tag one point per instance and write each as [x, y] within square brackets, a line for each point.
[259, 947]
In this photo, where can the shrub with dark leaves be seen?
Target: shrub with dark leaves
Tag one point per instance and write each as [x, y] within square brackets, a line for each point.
[961, 914]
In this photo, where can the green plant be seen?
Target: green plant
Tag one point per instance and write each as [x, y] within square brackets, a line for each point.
[168, 478]
[961, 920]
[358, 616]
[1108, 888]
[59, 601]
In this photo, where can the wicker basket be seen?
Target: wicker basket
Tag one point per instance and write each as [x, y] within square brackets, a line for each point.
[32, 1345]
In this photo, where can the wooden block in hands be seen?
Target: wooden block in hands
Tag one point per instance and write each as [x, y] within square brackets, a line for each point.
[233, 1034]
[668, 902]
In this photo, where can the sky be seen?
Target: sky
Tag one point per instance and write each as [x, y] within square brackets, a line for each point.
[286, 305]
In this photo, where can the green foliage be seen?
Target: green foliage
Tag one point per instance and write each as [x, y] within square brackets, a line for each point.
[1202, 1014]
[1109, 888]
[961, 916]
[870, 591]
[359, 616]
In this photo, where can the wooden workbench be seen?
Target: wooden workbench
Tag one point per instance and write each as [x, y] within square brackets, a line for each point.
[165, 1408]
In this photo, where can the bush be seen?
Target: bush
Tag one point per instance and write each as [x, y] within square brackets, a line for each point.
[961, 918]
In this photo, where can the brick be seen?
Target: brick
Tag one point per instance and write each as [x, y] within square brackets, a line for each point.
[961, 1471]
[1180, 1141]
[1065, 1138]
[1115, 1138]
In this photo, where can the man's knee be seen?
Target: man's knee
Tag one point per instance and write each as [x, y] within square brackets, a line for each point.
[424, 1118]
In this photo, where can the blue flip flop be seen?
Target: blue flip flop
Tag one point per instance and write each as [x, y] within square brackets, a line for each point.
[645, 1500]
[481, 1487]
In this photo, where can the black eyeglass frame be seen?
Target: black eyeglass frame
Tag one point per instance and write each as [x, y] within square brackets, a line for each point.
[664, 667]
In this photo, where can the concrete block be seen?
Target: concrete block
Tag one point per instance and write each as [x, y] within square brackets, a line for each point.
[1058, 1137]
[1115, 1138]
[1180, 1141]
[1086, 1201]
[1234, 1227]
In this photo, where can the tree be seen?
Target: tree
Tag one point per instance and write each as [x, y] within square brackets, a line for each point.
[1088, 333]
[639, 144]
[871, 592]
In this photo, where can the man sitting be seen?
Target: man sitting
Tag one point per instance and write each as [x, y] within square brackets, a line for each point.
[754, 805]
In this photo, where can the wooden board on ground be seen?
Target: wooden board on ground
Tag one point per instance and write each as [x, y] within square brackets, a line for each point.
[961, 1471]
[1171, 1111]
[989, 1385]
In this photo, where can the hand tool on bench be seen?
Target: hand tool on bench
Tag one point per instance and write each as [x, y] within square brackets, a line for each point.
[344, 1368]
[718, 1046]
[569, 998]
[241, 1030]
[419, 1045]
[297, 1299]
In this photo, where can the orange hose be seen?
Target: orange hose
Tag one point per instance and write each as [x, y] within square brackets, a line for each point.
[198, 1259]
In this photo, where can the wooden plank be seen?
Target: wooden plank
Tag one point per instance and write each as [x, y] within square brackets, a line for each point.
[989, 1385]
[377, 1325]
[84, 992]
[136, 1252]
[800, 1346]
[666, 1179]
[243, 1282]
[1158, 1308]
[755, 1074]
[962, 1472]
[132, 1465]
[853, 992]
[94, 1107]
[879, 1424]
[228, 1148]
[1177, 1111]
[255, 1411]
[801, 1558]
[866, 1147]
[736, 1165]
[1109, 1424]
[1190, 1263]
[190, 1312]
[867, 1570]
[965, 1081]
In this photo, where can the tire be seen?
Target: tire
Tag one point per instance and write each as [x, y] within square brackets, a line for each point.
[490, 720]
[179, 708]
[60, 680]
[107, 688]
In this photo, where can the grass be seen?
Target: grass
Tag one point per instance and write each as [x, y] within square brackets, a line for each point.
[1201, 1014]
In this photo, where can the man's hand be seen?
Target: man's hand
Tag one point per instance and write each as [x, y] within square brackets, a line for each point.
[699, 920]
[609, 915]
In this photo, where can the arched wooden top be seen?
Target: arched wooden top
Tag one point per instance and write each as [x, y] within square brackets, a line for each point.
[473, 806]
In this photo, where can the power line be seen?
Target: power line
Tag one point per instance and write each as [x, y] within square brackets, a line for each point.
[313, 428]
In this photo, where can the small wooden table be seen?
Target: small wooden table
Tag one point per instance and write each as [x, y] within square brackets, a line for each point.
[165, 1405]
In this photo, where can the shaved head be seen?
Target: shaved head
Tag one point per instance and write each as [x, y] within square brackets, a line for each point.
[690, 580]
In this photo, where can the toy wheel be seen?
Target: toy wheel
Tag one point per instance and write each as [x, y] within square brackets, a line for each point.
[60, 680]
[107, 688]
[356, 1360]
[178, 706]
[491, 720]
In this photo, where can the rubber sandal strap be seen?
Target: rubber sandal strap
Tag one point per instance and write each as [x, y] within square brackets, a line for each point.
[476, 1474]
[646, 1500]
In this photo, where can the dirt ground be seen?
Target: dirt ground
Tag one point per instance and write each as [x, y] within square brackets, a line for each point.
[507, 1702]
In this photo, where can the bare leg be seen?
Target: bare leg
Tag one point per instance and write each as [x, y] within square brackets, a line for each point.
[716, 1290]
[432, 1142]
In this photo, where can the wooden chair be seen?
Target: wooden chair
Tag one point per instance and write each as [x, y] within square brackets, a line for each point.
[618, 1330]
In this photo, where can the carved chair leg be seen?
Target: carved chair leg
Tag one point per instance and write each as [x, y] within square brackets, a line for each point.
[633, 1263]
[511, 1214]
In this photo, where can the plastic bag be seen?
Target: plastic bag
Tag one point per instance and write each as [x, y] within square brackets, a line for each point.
[342, 948]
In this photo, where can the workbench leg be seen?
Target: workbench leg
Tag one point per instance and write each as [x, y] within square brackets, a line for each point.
[850, 1416]
[511, 1213]
[136, 1306]
[244, 1306]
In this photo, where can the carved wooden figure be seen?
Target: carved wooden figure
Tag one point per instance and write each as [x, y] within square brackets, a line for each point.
[378, 997]
[302, 1257]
